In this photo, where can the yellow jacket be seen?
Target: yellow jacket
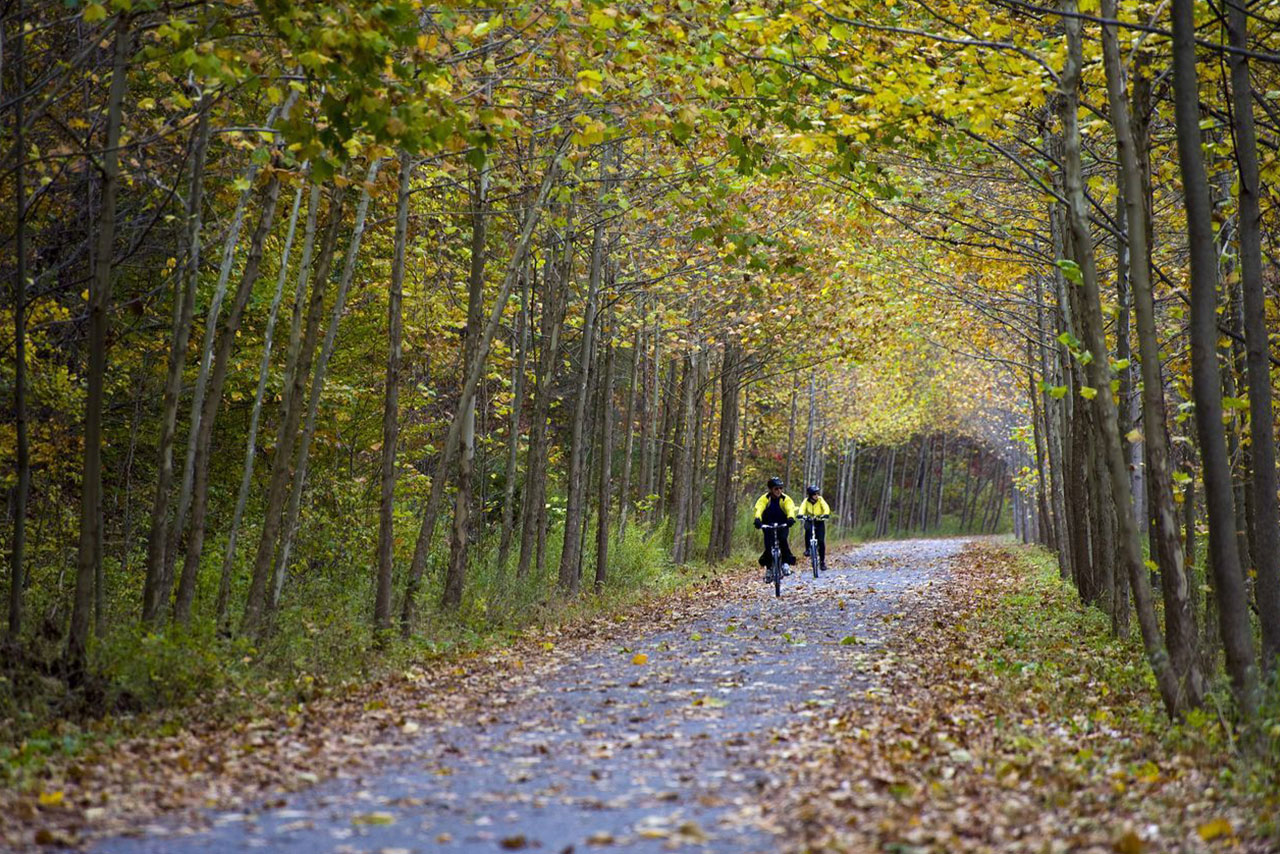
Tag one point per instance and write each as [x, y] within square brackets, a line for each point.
[788, 506]
[815, 507]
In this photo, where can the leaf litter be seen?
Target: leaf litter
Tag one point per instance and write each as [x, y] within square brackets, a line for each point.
[973, 744]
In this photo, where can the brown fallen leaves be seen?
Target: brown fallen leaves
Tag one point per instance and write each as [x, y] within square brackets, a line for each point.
[993, 731]
[122, 788]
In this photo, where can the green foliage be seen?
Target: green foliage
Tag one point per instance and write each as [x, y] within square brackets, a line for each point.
[1056, 646]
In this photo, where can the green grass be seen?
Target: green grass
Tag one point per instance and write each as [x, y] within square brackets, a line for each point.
[1056, 646]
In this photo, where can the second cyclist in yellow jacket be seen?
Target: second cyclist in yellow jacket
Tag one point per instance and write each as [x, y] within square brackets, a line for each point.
[815, 511]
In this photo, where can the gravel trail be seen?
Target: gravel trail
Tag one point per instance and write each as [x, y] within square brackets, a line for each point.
[607, 753]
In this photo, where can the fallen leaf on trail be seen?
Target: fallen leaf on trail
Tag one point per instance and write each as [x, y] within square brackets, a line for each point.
[514, 843]
[51, 799]
[374, 818]
[640, 658]
[45, 836]
[1129, 843]
[1214, 829]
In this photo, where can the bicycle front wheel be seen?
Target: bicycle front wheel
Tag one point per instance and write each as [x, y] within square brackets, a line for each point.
[813, 555]
[777, 577]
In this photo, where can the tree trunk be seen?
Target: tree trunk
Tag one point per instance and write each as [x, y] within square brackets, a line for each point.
[791, 439]
[474, 371]
[264, 369]
[606, 467]
[697, 466]
[886, 498]
[22, 488]
[648, 443]
[682, 470]
[574, 499]
[1180, 624]
[213, 399]
[665, 442]
[90, 547]
[1100, 377]
[724, 505]
[164, 585]
[1206, 381]
[535, 491]
[456, 573]
[1266, 513]
[290, 529]
[184, 297]
[634, 390]
[520, 350]
[391, 409]
[291, 414]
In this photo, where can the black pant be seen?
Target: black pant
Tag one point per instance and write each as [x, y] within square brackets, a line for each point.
[820, 528]
[766, 557]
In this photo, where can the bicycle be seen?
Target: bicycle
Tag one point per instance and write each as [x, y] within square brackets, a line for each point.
[813, 540]
[774, 574]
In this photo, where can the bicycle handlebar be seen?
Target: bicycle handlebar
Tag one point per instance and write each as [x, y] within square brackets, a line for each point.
[772, 526]
[821, 518]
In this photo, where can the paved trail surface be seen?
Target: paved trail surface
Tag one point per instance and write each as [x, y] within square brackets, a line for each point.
[607, 754]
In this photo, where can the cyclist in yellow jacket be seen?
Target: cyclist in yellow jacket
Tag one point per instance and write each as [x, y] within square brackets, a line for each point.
[776, 508]
[815, 511]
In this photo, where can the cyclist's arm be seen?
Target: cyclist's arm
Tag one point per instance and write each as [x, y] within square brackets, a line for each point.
[761, 503]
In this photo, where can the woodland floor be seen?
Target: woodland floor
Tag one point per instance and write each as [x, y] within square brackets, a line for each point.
[862, 711]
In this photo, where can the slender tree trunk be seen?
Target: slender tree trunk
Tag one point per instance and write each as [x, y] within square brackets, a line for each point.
[290, 529]
[665, 440]
[606, 467]
[456, 573]
[300, 357]
[90, 548]
[391, 408]
[682, 471]
[886, 498]
[697, 466]
[1180, 625]
[21, 490]
[1128, 409]
[791, 439]
[574, 501]
[213, 399]
[1100, 378]
[1266, 515]
[264, 369]
[172, 542]
[648, 444]
[535, 491]
[184, 297]
[724, 508]
[474, 371]
[634, 390]
[521, 352]
[1205, 377]
[855, 504]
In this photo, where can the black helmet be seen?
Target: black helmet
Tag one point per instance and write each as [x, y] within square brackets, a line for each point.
[812, 490]
[775, 481]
